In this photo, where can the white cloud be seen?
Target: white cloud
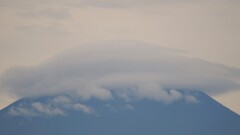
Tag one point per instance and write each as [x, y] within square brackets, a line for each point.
[52, 106]
[191, 99]
[36, 109]
[82, 108]
[61, 100]
[119, 107]
[47, 109]
[21, 111]
[94, 91]
[124, 69]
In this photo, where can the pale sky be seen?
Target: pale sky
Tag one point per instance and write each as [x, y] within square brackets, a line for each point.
[32, 31]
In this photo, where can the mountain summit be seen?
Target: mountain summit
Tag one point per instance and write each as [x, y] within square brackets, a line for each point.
[195, 114]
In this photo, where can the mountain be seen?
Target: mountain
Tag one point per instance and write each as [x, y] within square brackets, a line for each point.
[66, 115]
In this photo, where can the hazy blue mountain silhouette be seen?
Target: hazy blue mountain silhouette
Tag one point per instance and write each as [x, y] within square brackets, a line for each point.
[147, 117]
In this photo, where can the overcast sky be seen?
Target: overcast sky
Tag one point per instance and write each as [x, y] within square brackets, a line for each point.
[33, 30]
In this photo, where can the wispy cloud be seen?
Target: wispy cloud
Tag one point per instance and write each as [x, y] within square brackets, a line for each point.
[49, 13]
[191, 99]
[82, 107]
[46, 109]
[88, 3]
[54, 106]
[21, 111]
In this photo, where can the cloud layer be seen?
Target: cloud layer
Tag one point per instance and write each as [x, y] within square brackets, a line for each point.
[129, 70]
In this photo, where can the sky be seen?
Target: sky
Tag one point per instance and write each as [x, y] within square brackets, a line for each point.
[33, 31]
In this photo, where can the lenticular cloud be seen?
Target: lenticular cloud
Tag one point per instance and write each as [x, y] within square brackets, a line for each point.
[120, 69]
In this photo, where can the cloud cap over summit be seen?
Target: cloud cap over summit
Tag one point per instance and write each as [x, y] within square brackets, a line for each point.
[125, 69]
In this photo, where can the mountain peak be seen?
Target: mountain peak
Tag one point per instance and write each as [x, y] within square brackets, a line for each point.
[63, 114]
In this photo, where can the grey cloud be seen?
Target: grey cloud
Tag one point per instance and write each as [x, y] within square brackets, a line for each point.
[128, 70]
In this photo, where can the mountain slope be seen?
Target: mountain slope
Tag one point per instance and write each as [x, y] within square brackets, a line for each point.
[122, 117]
